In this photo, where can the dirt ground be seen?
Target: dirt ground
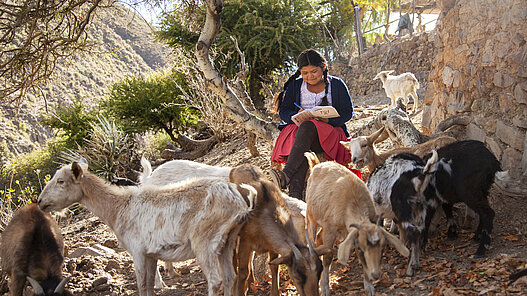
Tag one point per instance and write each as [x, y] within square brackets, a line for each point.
[100, 267]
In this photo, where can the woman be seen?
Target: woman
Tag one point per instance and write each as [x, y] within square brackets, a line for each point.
[314, 88]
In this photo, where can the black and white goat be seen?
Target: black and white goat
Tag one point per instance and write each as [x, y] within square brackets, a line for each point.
[32, 248]
[465, 173]
[397, 188]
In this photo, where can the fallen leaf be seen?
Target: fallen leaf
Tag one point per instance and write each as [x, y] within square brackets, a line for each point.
[511, 237]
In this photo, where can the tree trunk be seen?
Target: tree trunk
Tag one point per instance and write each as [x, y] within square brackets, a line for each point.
[191, 149]
[358, 32]
[217, 83]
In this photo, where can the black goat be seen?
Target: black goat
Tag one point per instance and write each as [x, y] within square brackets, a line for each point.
[397, 188]
[32, 249]
[465, 173]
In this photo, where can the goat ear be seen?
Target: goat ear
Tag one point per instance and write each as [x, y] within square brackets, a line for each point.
[76, 170]
[346, 144]
[345, 247]
[323, 250]
[396, 242]
[281, 260]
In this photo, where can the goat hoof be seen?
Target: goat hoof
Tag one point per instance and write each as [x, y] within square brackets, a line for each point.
[478, 256]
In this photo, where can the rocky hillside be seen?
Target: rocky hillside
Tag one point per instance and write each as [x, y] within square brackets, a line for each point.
[123, 45]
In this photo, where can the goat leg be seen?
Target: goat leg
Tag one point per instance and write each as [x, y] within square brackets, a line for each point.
[275, 276]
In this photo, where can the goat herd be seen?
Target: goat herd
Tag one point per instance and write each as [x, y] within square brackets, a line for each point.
[185, 209]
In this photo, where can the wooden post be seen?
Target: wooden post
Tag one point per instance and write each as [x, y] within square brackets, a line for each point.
[387, 26]
[358, 32]
[413, 17]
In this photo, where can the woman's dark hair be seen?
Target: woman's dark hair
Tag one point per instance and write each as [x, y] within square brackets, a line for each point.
[309, 57]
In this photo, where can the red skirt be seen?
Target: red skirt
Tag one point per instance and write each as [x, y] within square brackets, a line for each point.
[328, 135]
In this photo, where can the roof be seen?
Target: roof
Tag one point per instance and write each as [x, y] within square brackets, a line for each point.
[424, 6]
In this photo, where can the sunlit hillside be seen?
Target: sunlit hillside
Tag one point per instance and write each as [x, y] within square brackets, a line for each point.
[123, 45]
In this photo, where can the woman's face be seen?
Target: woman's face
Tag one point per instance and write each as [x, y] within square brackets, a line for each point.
[312, 74]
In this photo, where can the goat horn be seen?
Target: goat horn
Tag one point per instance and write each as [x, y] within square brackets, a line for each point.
[356, 226]
[310, 245]
[60, 287]
[36, 286]
[379, 220]
[295, 250]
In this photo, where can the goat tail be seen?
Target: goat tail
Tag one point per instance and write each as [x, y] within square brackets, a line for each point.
[411, 77]
[252, 195]
[147, 170]
[312, 159]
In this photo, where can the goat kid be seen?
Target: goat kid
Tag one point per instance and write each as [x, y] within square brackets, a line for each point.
[198, 219]
[340, 204]
[397, 188]
[270, 228]
[32, 248]
[399, 86]
[465, 173]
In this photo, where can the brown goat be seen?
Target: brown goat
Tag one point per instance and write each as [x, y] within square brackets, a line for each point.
[340, 204]
[270, 228]
[363, 152]
[32, 248]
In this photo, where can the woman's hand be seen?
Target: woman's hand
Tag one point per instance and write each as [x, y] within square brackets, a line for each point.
[326, 120]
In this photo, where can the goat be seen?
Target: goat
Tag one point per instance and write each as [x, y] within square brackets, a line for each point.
[397, 188]
[32, 248]
[198, 218]
[270, 228]
[159, 284]
[339, 202]
[399, 86]
[179, 170]
[465, 173]
[363, 152]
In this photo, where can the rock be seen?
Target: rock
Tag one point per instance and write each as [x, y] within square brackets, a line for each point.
[520, 93]
[510, 135]
[85, 251]
[99, 281]
[447, 76]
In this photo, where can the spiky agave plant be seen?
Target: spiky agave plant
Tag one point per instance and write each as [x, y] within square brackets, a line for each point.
[108, 150]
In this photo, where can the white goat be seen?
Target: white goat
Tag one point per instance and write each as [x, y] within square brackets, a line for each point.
[180, 170]
[399, 86]
[198, 219]
[363, 152]
[340, 203]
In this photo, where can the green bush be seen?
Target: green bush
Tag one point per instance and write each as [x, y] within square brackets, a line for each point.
[24, 177]
[72, 122]
[151, 104]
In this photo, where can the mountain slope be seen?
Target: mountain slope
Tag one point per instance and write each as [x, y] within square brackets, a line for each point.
[123, 45]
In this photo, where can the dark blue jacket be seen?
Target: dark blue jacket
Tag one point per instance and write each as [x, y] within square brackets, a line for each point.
[340, 98]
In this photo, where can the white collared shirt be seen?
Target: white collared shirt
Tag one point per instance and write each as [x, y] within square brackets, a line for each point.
[309, 99]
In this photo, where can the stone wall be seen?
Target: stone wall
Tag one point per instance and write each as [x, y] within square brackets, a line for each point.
[407, 54]
[481, 69]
